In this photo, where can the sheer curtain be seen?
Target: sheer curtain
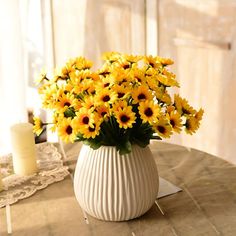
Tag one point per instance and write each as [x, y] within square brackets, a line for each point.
[12, 79]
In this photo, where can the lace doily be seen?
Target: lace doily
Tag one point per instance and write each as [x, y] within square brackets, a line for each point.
[51, 169]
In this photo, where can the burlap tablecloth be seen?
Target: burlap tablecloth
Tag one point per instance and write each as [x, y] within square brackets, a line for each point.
[206, 206]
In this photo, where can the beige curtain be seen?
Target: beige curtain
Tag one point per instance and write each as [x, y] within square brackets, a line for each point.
[12, 83]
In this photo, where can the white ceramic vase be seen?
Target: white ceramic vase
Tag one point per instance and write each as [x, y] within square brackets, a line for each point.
[116, 187]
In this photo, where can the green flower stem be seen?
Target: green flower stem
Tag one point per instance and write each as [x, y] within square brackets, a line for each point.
[108, 134]
[156, 137]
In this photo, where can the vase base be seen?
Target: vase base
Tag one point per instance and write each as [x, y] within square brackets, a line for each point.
[86, 214]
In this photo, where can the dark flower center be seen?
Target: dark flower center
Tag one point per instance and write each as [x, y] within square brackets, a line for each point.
[85, 120]
[188, 125]
[92, 129]
[69, 130]
[141, 96]
[120, 95]
[104, 73]
[106, 98]
[185, 111]
[126, 66]
[148, 112]
[103, 113]
[67, 104]
[172, 122]
[151, 64]
[106, 84]
[161, 129]
[124, 118]
[92, 92]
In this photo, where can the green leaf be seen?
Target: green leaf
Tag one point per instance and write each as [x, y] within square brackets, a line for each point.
[124, 148]
[142, 142]
[79, 137]
[142, 134]
[69, 112]
[94, 144]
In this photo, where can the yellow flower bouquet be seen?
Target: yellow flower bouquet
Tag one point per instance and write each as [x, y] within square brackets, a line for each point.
[124, 102]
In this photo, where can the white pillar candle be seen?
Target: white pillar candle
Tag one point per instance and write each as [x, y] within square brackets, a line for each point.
[23, 149]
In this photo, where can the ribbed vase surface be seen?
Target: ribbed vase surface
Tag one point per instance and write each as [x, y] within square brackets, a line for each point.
[115, 187]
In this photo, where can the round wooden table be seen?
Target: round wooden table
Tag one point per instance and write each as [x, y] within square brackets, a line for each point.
[206, 206]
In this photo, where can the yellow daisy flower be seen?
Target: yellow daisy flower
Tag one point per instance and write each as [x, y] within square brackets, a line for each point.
[41, 77]
[199, 114]
[76, 77]
[90, 131]
[166, 61]
[89, 76]
[83, 76]
[76, 104]
[79, 88]
[163, 128]
[103, 111]
[71, 62]
[104, 71]
[93, 129]
[111, 56]
[125, 118]
[122, 77]
[107, 82]
[141, 94]
[167, 81]
[88, 103]
[151, 72]
[163, 97]
[191, 125]
[149, 111]
[182, 106]
[168, 73]
[105, 96]
[119, 104]
[152, 82]
[69, 87]
[43, 88]
[38, 126]
[132, 58]
[170, 108]
[175, 121]
[83, 117]
[152, 61]
[48, 95]
[56, 117]
[121, 91]
[193, 122]
[65, 130]
[82, 64]
[123, 64]
[65, 71]
[89, 88]
[65, 100]
[139, 76]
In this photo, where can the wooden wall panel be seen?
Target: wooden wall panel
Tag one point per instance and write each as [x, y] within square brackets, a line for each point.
[91, 27]
[200, 36]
